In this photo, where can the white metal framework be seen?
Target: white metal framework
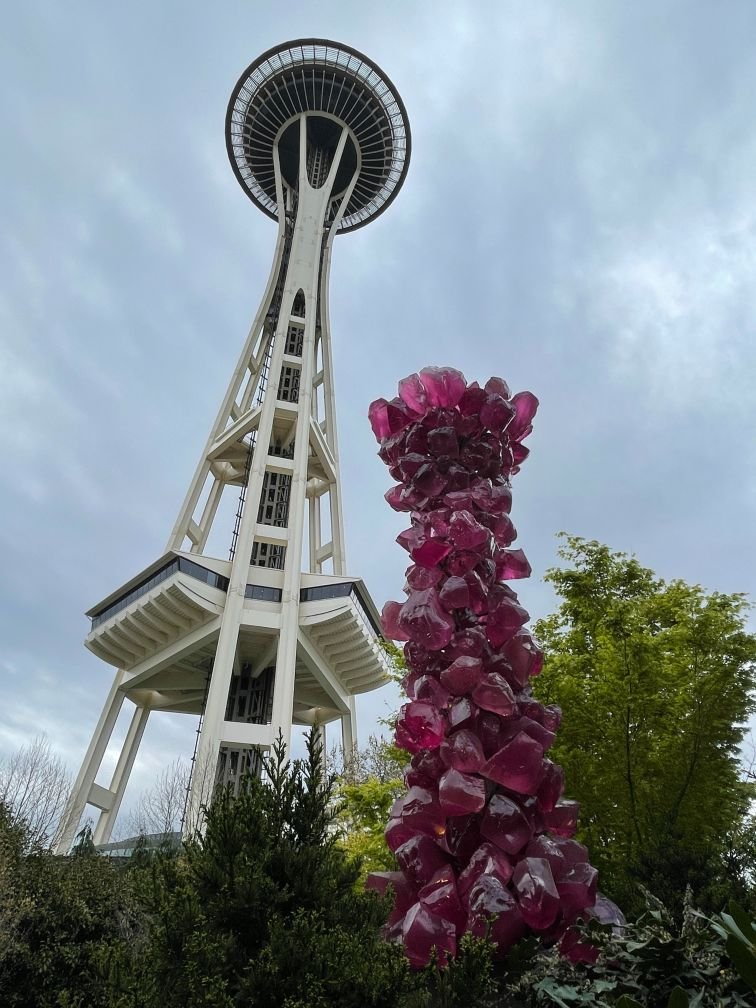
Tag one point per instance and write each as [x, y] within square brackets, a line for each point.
[319, 139]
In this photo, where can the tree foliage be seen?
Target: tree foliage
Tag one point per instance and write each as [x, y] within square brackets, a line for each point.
[261, 907]
[656, 683]
[370, 781]
[261, 910]
[368, 786]
[57, 915]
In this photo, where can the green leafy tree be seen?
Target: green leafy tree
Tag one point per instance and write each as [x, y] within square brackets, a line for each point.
[370, 781]
[367, 788]
[57, 918]
[656, 683]
[261, 908]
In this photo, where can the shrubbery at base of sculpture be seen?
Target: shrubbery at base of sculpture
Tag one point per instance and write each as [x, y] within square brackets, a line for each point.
[483, 837]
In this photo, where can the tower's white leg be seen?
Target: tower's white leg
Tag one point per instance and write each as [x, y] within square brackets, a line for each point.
[349, 732]
[203, 772]
[121, 774]
[69, 826]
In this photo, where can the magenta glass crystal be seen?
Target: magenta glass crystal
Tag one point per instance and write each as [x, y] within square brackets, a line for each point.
[562, 819]
[536, 892]
[420, 810]
[420, 726]
[511, 565]
[493, 693]
[440, 897]
[487, 860]
[482, 837]
[461, 677]
[505, 824]
[424, 621]
[412, 392]
[390, 622]
[551, 787]
[444, 386]
[517, 766]
[420, 858]
[463, 751]
[461, 712]
[461, 793]
[577, 889]
[454, 594]
[424, 932]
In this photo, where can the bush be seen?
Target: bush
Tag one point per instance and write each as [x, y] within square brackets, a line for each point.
[652, 963]
[56, 917]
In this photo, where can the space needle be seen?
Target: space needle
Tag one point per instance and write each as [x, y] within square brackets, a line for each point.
[278, 632]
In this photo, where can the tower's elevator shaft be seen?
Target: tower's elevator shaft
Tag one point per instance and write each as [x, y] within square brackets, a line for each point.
[281, 475]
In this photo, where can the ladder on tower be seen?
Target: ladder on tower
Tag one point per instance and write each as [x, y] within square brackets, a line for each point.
[262, 385]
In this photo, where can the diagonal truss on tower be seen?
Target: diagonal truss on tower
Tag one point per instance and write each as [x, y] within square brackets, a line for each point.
[273, 636]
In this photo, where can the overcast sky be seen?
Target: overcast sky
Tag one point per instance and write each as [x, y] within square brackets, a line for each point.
[579, 217]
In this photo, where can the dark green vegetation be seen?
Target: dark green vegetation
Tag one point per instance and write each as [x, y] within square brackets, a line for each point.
[656, 682]
[266, 909]
[263, 911]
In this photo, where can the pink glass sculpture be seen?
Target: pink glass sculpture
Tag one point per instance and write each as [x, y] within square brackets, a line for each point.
[483, 836]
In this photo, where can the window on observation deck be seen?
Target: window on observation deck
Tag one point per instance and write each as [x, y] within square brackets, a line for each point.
[168, 570]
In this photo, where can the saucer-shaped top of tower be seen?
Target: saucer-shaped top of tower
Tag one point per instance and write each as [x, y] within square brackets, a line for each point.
[315, 76]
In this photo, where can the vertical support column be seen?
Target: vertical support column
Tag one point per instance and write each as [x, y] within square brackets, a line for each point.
[308, 240]
[349, 731]
[315, 534]
[69, 826]
[210, 740]
[121, 774]
[299, 272]
[329, 406]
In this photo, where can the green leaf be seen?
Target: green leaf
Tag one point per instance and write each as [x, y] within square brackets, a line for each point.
[741, 918]
[557, 992]
[627, 1002]
[743, 959]
[733, 928]
[678, 999]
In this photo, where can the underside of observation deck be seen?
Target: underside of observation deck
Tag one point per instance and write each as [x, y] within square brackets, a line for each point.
[335, 86]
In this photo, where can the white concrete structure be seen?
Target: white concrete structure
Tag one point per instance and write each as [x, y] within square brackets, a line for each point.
[319, 139]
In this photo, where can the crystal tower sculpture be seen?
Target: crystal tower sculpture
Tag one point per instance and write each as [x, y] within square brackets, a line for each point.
[483, 838]
[278, 633]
